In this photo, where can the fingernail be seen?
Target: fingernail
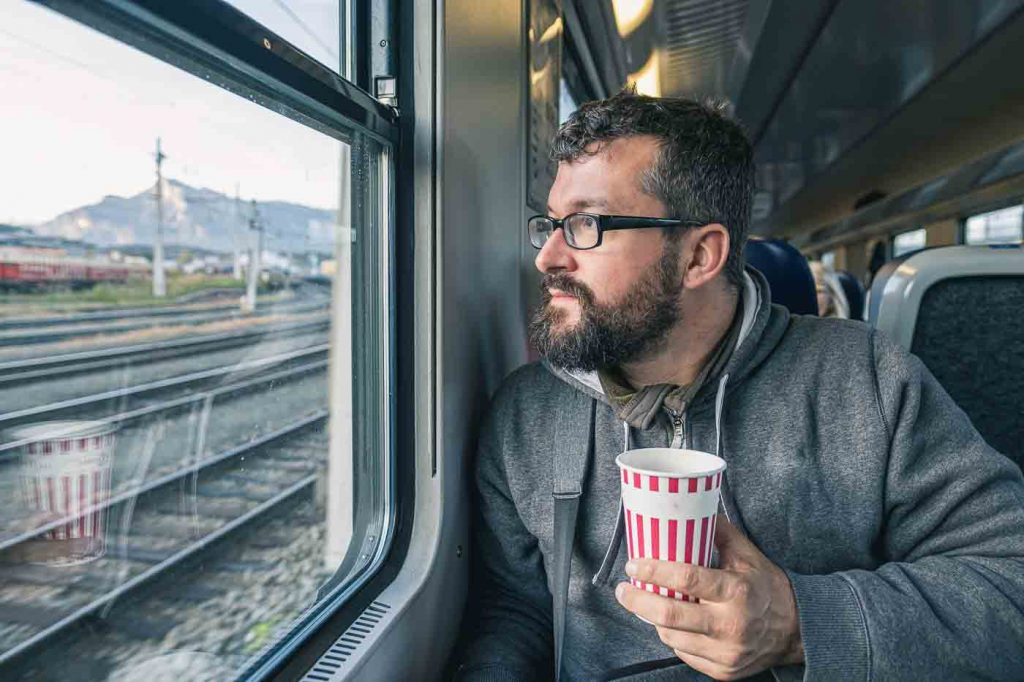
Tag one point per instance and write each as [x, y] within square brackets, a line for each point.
[631, 569]
[619, 590]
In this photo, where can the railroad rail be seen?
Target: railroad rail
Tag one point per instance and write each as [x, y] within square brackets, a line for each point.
[31, 369]
[35, 335]
[75, 406]
[103, 314]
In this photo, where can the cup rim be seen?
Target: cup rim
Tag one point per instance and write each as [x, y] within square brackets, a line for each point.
[719, 465]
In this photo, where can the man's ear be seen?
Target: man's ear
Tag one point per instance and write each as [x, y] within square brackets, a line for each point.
[709, 249]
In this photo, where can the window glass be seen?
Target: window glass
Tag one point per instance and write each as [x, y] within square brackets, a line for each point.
[184, 475]
[909, 241]
[313, 26]
[996, 227]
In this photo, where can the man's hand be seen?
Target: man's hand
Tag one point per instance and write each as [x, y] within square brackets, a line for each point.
[746, 620]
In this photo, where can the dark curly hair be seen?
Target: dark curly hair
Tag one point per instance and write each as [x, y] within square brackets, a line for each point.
[704, 169]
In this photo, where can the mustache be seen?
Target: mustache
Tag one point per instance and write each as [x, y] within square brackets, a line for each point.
[564, 282]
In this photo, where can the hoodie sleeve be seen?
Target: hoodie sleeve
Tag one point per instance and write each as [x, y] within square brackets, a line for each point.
[949, 604]
[509, 637]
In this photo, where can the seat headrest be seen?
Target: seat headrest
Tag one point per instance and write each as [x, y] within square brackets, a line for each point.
[789, 277]
[878, 283]
[854, 291]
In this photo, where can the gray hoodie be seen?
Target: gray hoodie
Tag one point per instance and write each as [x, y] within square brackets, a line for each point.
[901, 531]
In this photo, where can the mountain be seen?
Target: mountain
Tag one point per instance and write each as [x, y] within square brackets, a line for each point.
[19, 236]
[195, 217]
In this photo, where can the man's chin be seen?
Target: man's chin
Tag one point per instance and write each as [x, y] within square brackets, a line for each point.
[563, 318]
[560, 332]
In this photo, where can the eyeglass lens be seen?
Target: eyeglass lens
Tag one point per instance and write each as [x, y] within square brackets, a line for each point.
[580, 229]
[540, 229]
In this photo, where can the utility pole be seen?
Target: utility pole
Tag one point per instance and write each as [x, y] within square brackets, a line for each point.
[159, 284]
[255, 255]
[236, 269]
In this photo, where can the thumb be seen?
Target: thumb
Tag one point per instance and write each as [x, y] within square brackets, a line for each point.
[731, 543]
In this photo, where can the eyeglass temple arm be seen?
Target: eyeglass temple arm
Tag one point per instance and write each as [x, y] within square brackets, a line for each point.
[615, 222]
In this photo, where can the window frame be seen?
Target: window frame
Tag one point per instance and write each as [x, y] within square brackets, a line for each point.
[915, 230]
[1002, 206]
[213, 40]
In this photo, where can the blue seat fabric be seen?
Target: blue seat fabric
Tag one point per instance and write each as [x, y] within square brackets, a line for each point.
[789, 277]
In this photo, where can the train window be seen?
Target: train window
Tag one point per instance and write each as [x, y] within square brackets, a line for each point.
[193, 446]
[313, 26]
[908, 241]
[1005, 226]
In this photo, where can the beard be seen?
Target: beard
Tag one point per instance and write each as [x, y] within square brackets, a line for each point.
[609, 335]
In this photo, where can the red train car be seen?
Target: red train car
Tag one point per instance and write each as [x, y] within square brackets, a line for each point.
[33, 268]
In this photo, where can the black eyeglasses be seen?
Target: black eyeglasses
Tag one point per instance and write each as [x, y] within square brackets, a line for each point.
[585, 230]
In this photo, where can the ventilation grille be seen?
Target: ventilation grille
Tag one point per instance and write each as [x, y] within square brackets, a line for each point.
[702, 37]
[331, 665]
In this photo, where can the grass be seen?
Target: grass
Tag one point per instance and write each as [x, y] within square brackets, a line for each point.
[134, 293]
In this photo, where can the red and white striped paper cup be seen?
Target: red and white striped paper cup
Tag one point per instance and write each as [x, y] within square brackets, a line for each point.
[670, 499]
[65, 474]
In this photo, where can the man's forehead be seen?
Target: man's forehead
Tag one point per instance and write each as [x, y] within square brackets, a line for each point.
[606, 182]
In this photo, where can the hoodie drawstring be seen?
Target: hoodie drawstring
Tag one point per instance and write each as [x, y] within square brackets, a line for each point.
[612, 553]
[719, 408]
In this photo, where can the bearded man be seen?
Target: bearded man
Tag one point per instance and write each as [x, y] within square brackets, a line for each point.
[873, 535]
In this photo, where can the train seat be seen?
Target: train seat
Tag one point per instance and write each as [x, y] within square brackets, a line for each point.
[789, 277]
[875, 293]
[854, 292]
[958, 309]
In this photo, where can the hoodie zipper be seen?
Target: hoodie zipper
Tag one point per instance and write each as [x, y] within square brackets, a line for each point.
[678, 430]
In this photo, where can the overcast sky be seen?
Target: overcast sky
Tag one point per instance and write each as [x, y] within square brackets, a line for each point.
[80, 114]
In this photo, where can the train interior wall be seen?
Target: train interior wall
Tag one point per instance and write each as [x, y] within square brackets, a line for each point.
[479, 332]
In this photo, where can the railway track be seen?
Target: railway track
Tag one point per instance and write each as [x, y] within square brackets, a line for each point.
[141, 399]
[234, 488]
[18, 372]
[44, 333]
[160, 535]
[24, 321]
[182, 307]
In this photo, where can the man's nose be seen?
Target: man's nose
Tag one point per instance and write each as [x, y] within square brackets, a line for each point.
[556, 255]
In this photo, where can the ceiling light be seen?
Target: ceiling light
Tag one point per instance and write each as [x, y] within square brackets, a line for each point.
[630, 13]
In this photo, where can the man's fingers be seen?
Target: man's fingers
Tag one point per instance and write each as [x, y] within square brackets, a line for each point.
[712, 669]
[732, 544]
[687, 642]
[710, 584]
[662, 611]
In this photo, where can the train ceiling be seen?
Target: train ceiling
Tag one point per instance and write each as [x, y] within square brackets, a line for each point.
[847, 101]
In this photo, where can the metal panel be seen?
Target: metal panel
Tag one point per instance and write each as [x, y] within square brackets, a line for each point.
[709, 44]
[989, 182]
[871, 60]
[469, 315]
[701, 38]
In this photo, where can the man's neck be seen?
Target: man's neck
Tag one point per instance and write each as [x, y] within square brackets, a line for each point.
[705, 319]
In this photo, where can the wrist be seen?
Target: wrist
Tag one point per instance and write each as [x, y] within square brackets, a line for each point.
[794, 651]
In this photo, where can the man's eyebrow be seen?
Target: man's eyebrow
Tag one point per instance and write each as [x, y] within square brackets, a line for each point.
[582, 204]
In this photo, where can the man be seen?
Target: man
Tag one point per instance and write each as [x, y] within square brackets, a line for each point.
[873, 535]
